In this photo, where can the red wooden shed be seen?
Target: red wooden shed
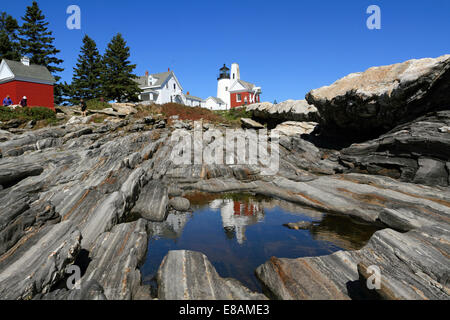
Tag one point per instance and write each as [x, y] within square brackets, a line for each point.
[19, 79]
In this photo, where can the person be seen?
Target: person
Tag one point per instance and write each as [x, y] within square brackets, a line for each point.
[23, 102]
[7, 101]
[83, 107]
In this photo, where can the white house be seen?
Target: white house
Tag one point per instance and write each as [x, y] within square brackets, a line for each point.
[164, 88]
[213, 103]
[193, 101]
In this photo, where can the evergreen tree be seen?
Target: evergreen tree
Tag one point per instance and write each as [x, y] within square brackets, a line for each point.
[36, 42]
[9, 45]
[67, 94]
[87, 81]
[118, 79]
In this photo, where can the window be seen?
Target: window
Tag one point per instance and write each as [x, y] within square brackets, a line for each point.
[226, 88]
[174, 86]
[238, 97]
[167, 86]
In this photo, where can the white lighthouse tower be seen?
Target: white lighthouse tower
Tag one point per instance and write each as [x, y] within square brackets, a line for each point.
[235, 73]
[223, 84]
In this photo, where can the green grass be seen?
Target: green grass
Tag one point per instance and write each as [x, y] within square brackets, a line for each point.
[27, 114]
[234, 114]
[97, 105]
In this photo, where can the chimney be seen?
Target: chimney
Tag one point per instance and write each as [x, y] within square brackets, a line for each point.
[25, 61]
[168, 69]
[188, 93]
[146, 73]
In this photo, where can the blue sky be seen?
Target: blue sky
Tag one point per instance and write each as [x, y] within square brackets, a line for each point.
[286, 47]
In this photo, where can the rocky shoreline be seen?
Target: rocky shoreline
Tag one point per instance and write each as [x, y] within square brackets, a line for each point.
[85, 193]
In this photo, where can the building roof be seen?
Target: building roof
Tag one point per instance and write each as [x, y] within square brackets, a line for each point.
[31, 72]
[216, 100]
[142, 81]
[246, 85]
[224, 68]
[161, 78]
[193, 98]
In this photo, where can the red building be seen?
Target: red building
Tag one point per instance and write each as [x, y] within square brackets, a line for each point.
[243, 93]
[19, 79]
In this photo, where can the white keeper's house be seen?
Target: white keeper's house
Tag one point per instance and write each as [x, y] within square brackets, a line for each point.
[164, 88]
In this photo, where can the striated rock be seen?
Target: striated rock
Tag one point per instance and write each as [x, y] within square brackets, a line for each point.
[116, 257]
[383, 97]
[431, 172]
[13, 172]
[174, 191]
[153, 202]
[448, 171]
[39, 264]
[79, 120]
[124, 108]
[109, 112]
[161, 124]
[18, 217]
[12, 124]
[179, 124]
[292, 128]
[180, 204]
[90, 290]
[5, 135]
[415, 270]
[289, 110]
[415, 152]
[188, 275]
[304, 279]
[30, 124]
[251, 124]
[96, 179]
[86, 185]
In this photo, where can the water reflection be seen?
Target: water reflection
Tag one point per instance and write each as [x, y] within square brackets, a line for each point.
[172, 228]
[236, 216]
[240, 232]
[345, 232]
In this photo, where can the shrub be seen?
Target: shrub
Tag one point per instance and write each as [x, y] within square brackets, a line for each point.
[234, 114]
[6, 114]
[97, 104]
[39, 113]
[189, 113]
[26, 114]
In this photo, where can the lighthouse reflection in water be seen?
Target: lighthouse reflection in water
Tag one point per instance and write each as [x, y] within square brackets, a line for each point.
[240, 232]
[236, 216]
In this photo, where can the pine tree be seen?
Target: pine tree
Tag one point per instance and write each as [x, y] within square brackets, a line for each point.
[67, 94]
[118, 79]
[36, 42]
[87, 81]
[9, 45]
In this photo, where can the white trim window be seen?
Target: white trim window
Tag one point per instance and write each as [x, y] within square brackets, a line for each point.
[238, 97]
